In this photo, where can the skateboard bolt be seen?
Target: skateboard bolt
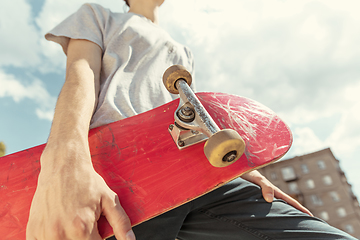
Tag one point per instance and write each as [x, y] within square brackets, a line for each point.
[171, 127]
[186, 114]
[186, 111]
[181, 143]
[194, 132]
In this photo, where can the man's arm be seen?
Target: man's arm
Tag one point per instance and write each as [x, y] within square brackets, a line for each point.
[71, 196]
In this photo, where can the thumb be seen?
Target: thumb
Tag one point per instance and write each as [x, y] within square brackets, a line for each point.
[268, 193]
[267, 190]
[266, 186]
[117, 218]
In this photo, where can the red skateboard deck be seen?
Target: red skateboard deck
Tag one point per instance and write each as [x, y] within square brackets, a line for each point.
[139, 160]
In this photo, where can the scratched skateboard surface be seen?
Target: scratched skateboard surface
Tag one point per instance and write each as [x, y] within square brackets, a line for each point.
[139, 161]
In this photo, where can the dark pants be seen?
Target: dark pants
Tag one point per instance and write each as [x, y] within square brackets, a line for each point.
[236, 211]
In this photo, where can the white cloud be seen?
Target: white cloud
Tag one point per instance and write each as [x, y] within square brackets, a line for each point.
[19, 38]
[45, 114]
[35, 91]
[346, 136]
[289, 53]
[306, 141]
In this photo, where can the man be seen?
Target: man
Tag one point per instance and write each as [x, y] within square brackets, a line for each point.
[114, 66]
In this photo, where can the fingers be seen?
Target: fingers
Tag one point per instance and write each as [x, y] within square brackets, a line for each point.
[269, 191]
[117, 218]
[291, 201]
[267, 188]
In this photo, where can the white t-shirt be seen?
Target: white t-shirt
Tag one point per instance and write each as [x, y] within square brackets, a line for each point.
[136, 53]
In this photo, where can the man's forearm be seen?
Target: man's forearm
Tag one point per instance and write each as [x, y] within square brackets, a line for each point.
[74, 107]
[76, 101]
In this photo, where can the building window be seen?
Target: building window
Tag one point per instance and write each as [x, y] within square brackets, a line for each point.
[341, 212]
[321, 164]
[324, 215]
[349, 228]
[310, 184]
[316, 200]
[304, 168]
[293, 187]
[327, 180]
[288, 173]
[273, 176]
[335, 196]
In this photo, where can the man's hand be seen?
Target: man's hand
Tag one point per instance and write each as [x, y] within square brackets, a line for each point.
[270, 191]
[68, 202]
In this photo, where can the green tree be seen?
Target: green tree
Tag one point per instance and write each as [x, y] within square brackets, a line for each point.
[2, 149]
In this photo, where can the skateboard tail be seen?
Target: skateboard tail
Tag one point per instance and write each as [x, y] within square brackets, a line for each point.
[18, 179]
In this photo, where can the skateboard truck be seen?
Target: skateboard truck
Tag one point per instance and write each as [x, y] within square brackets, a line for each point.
[193, 124]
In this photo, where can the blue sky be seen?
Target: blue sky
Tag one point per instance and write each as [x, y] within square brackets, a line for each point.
[300, 58]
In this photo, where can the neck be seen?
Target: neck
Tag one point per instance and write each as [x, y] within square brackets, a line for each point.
[148, 9]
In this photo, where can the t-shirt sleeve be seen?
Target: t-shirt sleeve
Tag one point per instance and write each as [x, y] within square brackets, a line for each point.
[87, 24]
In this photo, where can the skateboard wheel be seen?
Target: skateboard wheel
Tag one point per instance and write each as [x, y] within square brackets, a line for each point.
[174, 73]
[224, 148]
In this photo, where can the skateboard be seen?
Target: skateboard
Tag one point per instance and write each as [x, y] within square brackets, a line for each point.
[162, 158]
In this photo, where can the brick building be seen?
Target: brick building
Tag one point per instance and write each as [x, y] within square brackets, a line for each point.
[317, 181]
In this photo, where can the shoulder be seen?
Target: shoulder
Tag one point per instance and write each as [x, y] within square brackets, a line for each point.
[93, 7]
[102, 14]
[95, 10]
